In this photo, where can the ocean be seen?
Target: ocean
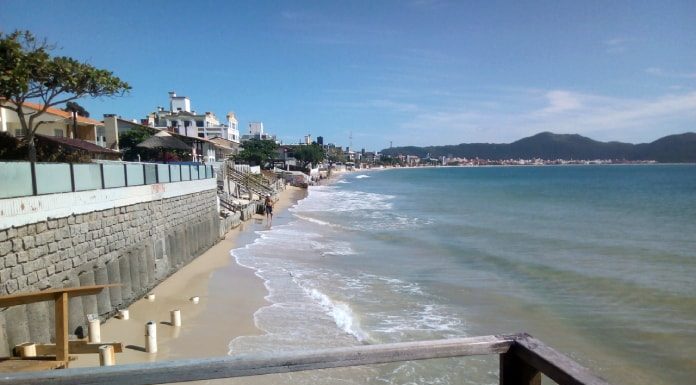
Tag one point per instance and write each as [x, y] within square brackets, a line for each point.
[599, 262]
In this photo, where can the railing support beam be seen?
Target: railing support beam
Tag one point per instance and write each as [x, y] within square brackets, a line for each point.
[514, 371]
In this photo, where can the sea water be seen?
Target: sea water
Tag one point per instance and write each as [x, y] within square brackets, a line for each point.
[597, 261]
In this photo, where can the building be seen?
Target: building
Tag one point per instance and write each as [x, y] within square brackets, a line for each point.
[181, 119]
[256, 128]
[202, 149]
[58, 123]
[256, 132]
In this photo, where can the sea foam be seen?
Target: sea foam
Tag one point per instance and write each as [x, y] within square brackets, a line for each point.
[342, 314]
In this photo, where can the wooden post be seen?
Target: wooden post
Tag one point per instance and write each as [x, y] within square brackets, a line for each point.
[62, 326]
[514, 371]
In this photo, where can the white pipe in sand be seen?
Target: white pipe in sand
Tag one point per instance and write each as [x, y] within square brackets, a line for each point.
[106, 355]
[94, 330]
[151, 297]
[27, 349]
[123, 314]
[195, 300]
[151, 337]
[175, 316]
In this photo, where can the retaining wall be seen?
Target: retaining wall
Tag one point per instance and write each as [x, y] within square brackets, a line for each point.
[135, 244]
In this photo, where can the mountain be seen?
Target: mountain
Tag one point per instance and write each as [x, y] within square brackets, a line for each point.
[547, 145]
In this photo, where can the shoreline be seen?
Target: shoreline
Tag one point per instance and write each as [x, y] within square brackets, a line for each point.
[230, 295]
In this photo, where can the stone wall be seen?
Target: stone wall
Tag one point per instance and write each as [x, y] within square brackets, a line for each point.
[137, 245]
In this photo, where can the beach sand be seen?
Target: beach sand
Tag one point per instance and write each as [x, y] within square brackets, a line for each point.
[229, 296]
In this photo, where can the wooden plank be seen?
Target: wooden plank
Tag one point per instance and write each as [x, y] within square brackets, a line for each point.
[250, 365]
[514, 371]
[62, 327]
[77, 347]
[17, 366]
[553, 364]
[50, 294]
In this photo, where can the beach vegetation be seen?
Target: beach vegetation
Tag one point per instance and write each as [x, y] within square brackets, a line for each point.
[257, 152]
[28, 72]
[309, 154]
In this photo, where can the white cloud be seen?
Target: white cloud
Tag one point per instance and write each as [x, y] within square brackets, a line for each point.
[616, 45]
[656, 71]
[562, 111]
[560, 101]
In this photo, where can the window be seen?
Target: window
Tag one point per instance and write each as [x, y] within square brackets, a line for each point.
[101, 136]
[58, 133]
[199, 123]
[20, 132]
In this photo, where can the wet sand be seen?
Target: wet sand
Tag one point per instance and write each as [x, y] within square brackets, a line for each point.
[229, 296]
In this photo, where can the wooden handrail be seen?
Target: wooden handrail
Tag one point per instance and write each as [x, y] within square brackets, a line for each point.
[519, 351]
[51, 294]
[60, 298]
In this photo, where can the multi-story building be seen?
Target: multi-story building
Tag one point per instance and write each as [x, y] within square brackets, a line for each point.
[256, 132]
[181, 119]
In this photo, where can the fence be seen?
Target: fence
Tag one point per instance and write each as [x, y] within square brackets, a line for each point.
[523, 359]
[18, 179]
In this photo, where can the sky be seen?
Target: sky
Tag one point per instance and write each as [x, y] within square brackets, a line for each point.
[370, 74]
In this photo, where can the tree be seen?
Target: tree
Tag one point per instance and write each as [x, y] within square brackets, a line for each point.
[76, 108]
[307, 154]
[29, 72]
[257, 151]
[130, 139]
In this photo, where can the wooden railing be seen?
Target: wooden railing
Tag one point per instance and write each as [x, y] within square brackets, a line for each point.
[522, 360]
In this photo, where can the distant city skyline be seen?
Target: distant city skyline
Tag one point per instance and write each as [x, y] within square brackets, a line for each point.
[421, 72]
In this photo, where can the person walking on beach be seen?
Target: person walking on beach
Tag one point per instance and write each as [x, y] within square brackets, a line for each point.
[269, 208]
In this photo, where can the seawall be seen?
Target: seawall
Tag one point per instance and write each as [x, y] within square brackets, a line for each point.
[133, 236]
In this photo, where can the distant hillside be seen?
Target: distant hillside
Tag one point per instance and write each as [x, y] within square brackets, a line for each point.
[546, 145]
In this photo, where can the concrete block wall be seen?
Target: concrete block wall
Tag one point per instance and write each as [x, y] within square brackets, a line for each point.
[137, 246]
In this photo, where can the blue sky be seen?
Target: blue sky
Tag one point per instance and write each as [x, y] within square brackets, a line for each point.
[421, 72]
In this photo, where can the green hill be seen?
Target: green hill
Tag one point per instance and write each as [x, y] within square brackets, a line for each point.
[546, 145]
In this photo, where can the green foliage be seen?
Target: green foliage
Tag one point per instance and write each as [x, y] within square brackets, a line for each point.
[28, 72]
[257, 152]
[129, 140]
[75, 107]
[10, 148]
[46, 151]
[387, 160]
[312, 153]
[336, 155]
[546, 145]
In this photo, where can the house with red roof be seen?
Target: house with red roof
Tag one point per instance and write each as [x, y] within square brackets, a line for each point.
[59, 124]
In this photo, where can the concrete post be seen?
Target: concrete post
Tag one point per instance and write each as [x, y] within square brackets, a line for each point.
[175, 316]
[151, 337]
[106, 355]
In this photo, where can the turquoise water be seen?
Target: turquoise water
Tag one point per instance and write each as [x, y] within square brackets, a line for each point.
[597, 261]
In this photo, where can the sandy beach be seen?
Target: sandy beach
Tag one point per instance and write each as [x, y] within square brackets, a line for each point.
[226, 290]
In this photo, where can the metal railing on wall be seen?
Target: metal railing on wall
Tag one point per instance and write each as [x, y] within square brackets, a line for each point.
[18, 179]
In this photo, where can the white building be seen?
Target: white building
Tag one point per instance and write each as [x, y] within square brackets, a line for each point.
[256, 128]
[180, 118]
[256, 132]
